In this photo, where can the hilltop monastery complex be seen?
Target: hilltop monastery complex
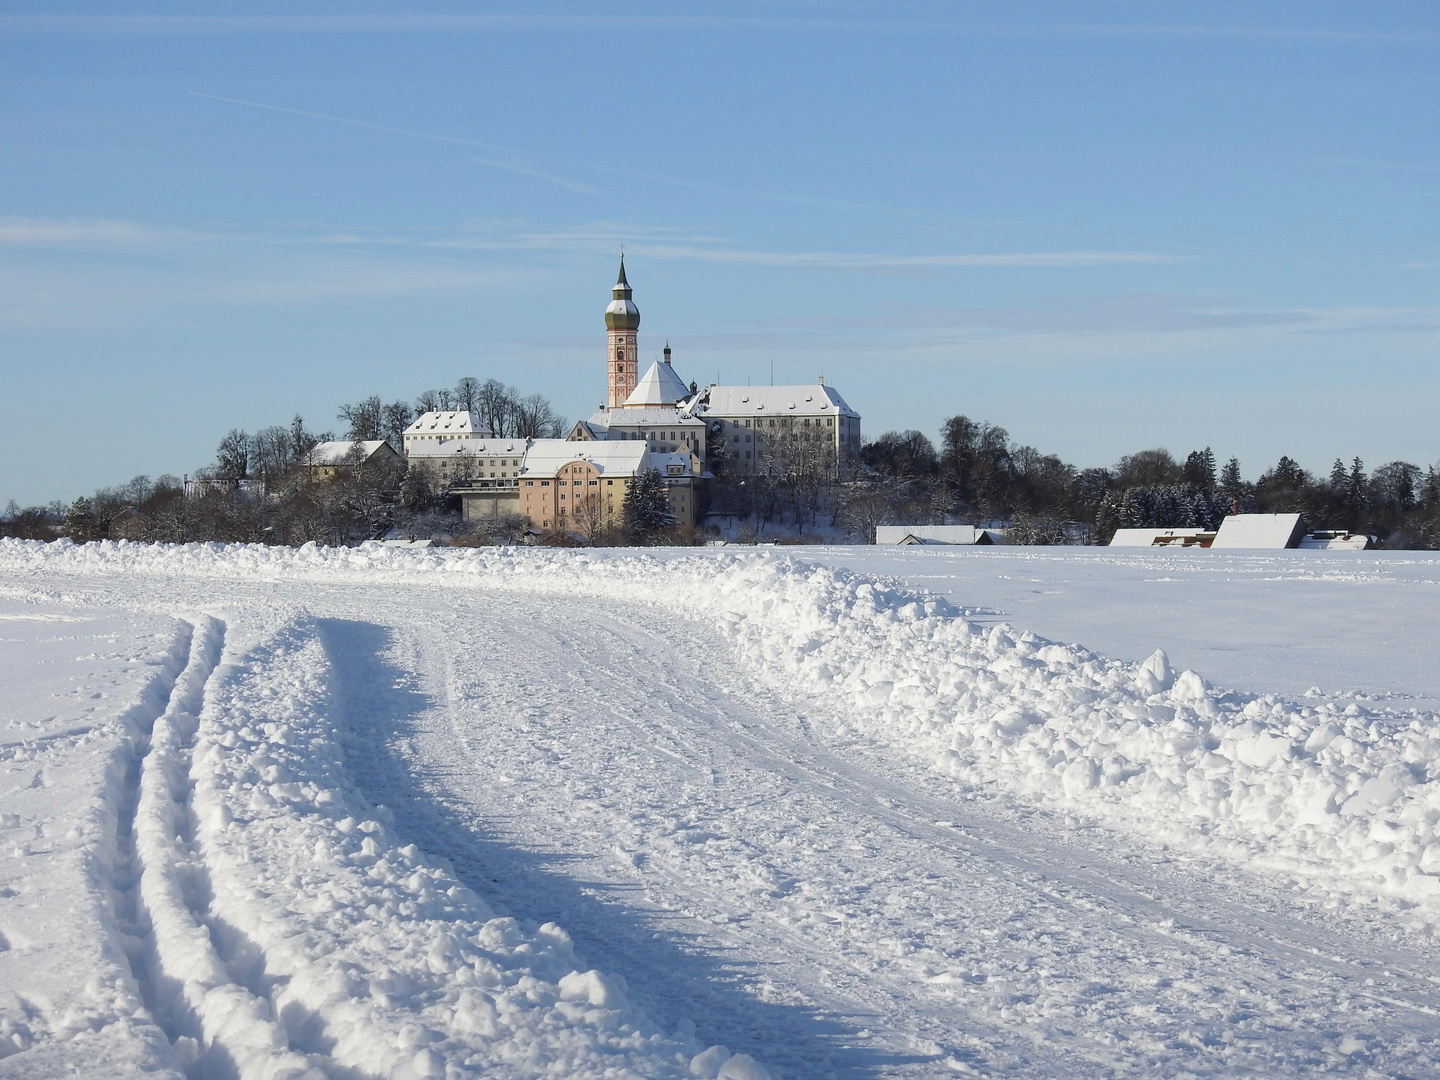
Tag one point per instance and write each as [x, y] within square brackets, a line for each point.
[653, 421]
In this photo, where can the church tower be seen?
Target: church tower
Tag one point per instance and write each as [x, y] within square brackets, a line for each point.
[622, 321]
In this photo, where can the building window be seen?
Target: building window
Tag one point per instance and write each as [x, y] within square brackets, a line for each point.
[544, 483]
[609, 483]
[529, 483]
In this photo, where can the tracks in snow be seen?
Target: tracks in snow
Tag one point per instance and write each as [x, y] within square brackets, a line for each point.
[203, 983]
[867, 895]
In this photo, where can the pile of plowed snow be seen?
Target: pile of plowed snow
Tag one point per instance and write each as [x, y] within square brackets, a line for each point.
[1344, 798]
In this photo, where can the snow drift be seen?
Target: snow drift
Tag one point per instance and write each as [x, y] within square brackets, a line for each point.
[1344, 798]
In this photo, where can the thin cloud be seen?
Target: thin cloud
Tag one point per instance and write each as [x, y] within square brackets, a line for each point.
[525, 164]
[1370, 163]
[830, 260]
[32, 232]
[512, 165]
[602, 237]
[662, 244]
[152, 25]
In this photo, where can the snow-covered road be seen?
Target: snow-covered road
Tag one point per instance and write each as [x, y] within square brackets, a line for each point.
[746, 860]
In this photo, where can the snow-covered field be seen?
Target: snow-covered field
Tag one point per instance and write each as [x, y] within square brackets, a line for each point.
[349, 814]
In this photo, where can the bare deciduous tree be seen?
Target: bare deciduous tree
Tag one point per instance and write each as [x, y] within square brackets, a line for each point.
[364, 419]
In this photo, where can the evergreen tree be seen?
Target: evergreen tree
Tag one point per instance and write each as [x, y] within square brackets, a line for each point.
[81, 524]
[1232, 484]
[647, 508]
[1200, 469]
[1354, 501]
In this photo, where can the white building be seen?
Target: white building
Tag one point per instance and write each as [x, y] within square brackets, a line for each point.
[754, 422]
[442, 426]
[477, 462]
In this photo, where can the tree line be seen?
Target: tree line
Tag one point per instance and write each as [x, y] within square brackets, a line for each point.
[978, 474]
[264, 487]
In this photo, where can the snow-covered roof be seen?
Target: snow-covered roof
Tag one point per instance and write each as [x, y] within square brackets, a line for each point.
[547, 456]
[662, 463]
[587, 430]
[927, 534]
[335, 453]
[656, 415]
[1260, 531]
[805, 400]
[1156, 537]
[658, 386]
[454, 423]
[472, 445]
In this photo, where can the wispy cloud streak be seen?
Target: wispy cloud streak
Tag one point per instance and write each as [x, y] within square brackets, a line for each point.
[497, 22]
[517, 166]
[605, 237]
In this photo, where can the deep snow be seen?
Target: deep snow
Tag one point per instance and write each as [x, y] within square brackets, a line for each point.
[823, 821]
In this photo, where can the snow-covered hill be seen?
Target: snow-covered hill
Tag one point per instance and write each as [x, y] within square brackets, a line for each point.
[528, 813]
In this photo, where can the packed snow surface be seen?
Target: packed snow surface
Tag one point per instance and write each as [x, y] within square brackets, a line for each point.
[509, 813]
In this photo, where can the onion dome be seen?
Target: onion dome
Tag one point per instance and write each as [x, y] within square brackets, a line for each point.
[622, 314]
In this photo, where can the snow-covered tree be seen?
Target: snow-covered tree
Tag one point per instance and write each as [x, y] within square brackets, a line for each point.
[647, 508]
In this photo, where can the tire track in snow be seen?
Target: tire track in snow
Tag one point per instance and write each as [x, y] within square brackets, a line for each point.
[596, 667]
[218, 1026]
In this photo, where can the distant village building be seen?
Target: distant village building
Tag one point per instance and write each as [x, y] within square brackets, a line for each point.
[1263, 532]
[1260, 531]
[934, 534]
[754, 420]
[439, 426]
[1162, 538]
[484, 463]
[652, 422]
[581, 487]
[327, 458]
[762, 428]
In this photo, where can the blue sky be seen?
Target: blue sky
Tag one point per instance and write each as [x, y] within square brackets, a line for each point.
[1103, 226]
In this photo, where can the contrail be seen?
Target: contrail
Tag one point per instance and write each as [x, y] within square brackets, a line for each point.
[523, 170]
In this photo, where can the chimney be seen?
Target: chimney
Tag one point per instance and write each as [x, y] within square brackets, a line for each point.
[821, 380]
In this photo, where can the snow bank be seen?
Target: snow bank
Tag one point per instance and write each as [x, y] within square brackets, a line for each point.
[336, 941]
[1345, 798]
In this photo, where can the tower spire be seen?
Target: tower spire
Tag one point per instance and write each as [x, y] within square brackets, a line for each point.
[622, 323]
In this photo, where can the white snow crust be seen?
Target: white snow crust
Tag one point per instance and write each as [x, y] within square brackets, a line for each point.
[280, 924]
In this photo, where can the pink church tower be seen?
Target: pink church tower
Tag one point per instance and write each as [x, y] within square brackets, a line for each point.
[622, 323]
